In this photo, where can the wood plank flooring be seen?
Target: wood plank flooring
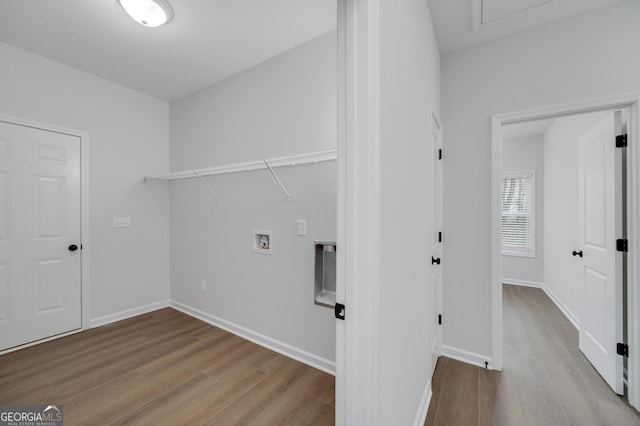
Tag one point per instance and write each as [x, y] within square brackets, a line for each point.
[166, 368]
[545, 380]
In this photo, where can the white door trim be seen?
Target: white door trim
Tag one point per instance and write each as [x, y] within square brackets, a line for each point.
[84, 205]
[358, 267]
[627, 100]
[342, 200]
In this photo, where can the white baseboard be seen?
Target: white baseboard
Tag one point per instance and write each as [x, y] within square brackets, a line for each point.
[285, 349]
[522, 283]
[119, 316]
[421, 415]
[563, 308]
[466, 356]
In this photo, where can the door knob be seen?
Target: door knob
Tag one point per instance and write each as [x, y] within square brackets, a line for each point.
[577, 253]
[73, 247]
[434, 260]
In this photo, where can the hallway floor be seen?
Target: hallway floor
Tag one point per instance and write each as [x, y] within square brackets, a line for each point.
[545, 381]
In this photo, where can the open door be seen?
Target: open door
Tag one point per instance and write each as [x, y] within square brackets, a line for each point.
[436, 241]
[600, 265]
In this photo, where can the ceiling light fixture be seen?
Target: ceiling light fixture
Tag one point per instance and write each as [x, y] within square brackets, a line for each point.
[150, 13]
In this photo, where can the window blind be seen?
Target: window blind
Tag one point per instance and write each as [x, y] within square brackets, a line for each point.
[517, 214]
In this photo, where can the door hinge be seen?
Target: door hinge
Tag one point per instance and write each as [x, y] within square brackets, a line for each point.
[440, 236]
[439, 319]
[622, 349]
[622, 244]
[621, 141]
[440, 154]
[339, 311]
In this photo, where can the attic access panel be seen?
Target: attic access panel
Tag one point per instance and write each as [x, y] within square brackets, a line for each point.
[497, 10]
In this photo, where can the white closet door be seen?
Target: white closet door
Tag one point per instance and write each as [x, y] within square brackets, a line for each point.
[40, 287]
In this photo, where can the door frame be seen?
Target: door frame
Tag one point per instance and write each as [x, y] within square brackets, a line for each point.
[358, 218]
[631, 101]
[84, 219]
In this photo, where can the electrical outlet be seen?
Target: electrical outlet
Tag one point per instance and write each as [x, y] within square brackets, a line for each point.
[203, 286]
[121, 222]
[302, 227]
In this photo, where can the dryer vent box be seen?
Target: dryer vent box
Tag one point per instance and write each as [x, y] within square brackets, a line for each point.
[325, 274]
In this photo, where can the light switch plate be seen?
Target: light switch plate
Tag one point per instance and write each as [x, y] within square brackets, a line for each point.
[121, 222]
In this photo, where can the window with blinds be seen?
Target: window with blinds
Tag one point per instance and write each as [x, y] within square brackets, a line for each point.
[518, 221]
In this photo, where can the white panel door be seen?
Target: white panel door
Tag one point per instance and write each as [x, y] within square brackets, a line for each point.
[40, 288]
[600, 270]
[436, 241]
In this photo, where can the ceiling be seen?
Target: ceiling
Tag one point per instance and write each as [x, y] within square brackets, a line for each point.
[210, 40]
[460, 24]
[207, 40]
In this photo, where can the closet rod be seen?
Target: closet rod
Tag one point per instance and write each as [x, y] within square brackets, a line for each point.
[287, 160]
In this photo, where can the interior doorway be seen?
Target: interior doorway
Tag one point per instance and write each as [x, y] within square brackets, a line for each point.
[562, 196]
[519, 182]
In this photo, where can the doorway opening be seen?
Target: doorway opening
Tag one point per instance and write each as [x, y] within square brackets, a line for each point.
[523, 204]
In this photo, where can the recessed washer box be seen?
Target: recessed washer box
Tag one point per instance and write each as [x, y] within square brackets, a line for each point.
[325, 274]
[262, 241]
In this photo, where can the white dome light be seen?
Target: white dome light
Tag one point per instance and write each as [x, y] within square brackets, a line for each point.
[150, 13]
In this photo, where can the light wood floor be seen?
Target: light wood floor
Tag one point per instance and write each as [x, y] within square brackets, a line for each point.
[545, 380]
[166, 368]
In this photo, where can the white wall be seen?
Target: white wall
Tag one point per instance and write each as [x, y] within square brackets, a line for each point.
[282, 106]
[410, 92]
[561, 148]
[560, 62]
[129, 138]
[518, 155]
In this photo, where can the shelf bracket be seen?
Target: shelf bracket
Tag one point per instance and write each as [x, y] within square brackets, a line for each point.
[277, 179]
[206, 184]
